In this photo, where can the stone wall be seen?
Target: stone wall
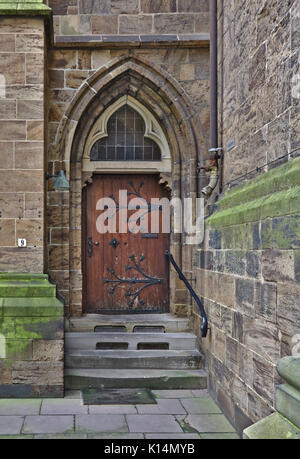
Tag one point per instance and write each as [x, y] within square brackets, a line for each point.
[69, 70]
[259, 86]
[22, 55]
[113, 17]
[248, 268]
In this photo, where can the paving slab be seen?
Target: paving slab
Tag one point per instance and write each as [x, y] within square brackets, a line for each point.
[116, 436]
[173, 393]
[16, 437]
[94, 423]
[112, 409]
[200, 406]
[20, 407]
[167, 436]
[63, 407]
[11, 425]
[153, 423]
[73, 436]
[208, 423]
[48, 425]
[73, 394]
[200, 393]
[164, 406]
[220, 436]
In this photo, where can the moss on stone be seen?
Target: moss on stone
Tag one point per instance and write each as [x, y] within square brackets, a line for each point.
[24, 8]
[275, 205]
[275, 427]
[29, 310]
[283, 178]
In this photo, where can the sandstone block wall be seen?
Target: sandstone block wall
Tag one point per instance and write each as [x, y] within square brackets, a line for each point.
[259, 83]
[113, 17]
[22, 80]
[248, 268]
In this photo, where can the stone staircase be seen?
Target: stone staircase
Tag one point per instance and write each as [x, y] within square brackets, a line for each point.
[155, 351]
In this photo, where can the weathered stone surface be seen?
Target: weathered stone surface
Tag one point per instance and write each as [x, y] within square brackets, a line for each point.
[34, 76]
[7, 233]
[244, 296]
[12, 130]
[28, 260]
[7, 150]
[39, 373]
[108, 25]
[262, 338]
[135, 24]
[160, 6]
[48, 424]
[275, 427]
[266, 301]
[48, 351]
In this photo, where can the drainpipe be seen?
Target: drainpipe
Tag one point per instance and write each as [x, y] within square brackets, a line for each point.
[213, 166]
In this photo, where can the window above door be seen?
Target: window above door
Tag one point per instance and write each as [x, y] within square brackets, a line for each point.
[125, 140]
[127, 137]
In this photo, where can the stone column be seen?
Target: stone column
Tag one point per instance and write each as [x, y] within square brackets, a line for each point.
[31, 317]
[22, 139]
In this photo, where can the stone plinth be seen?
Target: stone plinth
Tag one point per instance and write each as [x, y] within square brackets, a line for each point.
[31, 337]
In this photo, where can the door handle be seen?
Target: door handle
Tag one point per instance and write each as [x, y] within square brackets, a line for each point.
[91, 245]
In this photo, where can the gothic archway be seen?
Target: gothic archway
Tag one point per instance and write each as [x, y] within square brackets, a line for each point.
[167, 102]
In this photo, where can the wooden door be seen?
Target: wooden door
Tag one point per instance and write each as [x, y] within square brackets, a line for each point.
[124, 272]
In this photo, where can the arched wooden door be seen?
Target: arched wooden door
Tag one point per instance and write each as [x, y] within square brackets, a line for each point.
[124, 272]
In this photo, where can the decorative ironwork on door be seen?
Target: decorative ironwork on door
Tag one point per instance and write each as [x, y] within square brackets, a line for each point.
[147, 281]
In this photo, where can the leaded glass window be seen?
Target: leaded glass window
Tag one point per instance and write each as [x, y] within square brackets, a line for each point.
[126, 139]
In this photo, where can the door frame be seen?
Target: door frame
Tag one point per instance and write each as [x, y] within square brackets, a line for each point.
[84, 235]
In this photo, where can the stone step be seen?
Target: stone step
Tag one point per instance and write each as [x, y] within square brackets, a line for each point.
[287, 403]
[89, 322]
[134, 360]
[78, 379]
[130, 341]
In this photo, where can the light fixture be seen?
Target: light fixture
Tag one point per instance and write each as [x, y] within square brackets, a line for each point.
[60, 181]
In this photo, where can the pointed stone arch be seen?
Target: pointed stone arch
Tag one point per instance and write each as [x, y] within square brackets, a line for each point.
[166, 100]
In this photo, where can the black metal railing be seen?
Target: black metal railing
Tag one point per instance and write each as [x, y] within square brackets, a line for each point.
[204, 328]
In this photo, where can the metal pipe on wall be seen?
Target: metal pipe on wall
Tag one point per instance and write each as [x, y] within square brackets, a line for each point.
[212, 167]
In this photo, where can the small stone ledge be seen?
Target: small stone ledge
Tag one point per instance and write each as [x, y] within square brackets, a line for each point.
[133, 41]
[275, 427]
[25, 8]
[282, 178]
[273, 194]
[31, 337]
[289, 369]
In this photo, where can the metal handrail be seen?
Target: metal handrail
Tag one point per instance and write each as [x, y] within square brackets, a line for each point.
[204, 328]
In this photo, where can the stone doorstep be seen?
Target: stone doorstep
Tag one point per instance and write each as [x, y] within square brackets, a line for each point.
[134, 359]
[170, 323]
[88, 341]
[153, 379]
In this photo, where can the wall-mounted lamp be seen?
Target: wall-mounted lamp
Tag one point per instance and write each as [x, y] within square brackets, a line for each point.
[60, 181]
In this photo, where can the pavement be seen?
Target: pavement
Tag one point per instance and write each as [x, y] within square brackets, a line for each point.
[179, 414]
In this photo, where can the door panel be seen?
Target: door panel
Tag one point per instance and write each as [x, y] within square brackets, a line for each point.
[124, 273]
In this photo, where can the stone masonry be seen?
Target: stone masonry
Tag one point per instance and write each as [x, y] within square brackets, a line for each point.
[248, 269]
[31, 317]
[22, 54]
[126, 17]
